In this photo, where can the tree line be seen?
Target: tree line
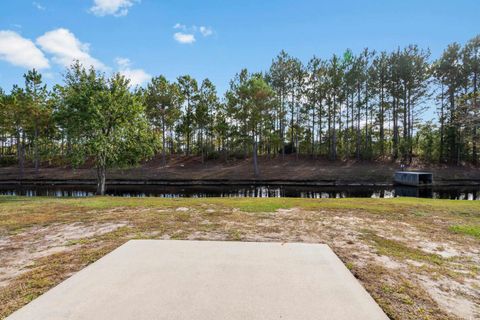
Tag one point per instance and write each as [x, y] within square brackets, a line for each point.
[365, 106]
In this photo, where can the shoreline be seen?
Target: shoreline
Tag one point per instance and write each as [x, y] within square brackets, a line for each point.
[190, 171]
[232, 182]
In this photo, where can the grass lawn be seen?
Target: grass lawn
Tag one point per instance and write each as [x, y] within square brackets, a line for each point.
[418, 258]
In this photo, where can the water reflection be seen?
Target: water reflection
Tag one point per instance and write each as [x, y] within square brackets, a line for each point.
[458, 192]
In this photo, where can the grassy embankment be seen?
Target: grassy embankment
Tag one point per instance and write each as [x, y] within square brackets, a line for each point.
[418, 258]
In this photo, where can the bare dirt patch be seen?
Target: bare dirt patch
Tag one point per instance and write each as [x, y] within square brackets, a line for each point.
[20, 251]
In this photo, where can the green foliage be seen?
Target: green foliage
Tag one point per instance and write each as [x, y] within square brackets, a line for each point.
[103, 120]
[250, 100]
[189, 90]
[427, 138]
[163, 101]
[361, 106]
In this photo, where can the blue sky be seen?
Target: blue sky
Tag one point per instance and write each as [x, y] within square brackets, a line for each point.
[214, 38]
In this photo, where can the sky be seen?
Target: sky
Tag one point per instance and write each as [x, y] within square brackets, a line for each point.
[214, 38]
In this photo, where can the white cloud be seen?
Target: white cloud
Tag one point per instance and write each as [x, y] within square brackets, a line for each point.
[123, 62]
[136, 76]
[184, 38]
[116, 8]
[38, 6]
[180, 26]
[187, 33]
[20, 51]
[206, 31]
[65, 48]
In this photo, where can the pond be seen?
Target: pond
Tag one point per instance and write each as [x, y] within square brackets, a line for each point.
[456, 192]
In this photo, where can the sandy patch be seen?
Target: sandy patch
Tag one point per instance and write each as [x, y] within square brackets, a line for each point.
[18, 252]
[451, 296]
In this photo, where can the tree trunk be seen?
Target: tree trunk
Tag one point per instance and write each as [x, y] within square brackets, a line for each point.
[188, 111]
[410, 130]
[101, 179]
[475, 106]
[282, 125]
[297, 146]
[164, 144]
[352, 119]
[245, 139]
[346, 136]
[35, 148]
[313, 129]
[395, 128]
[442, 126]
[334, 137]
[21, 154]
[292, 106]
[453, 139]
[224, 151]
[359, 139]
[320, 127]
[405, 126]
[188, 144]
[329, 130]
[367, 137]
[382, 121]
[474, 146]
[171, 145]
[202, 147]
[255, 160]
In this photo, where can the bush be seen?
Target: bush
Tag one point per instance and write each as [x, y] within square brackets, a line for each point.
[214, 155]
[289, 148]
[6, 161]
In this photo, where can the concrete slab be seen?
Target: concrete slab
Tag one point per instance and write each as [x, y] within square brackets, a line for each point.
[155, 279]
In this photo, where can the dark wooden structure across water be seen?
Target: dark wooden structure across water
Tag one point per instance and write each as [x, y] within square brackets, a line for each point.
[412, 178]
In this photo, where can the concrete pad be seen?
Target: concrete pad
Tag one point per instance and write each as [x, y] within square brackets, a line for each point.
[204, 280]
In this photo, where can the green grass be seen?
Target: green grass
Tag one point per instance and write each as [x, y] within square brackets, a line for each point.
[398, 250]
[470, 230]
[268, 205]
[394, 205]
[406, 206]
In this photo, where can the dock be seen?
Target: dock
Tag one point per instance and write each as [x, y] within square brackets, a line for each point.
[413, 178]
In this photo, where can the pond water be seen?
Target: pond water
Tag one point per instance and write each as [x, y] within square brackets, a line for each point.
[457, 192]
